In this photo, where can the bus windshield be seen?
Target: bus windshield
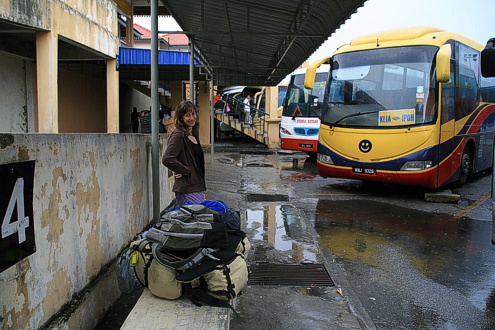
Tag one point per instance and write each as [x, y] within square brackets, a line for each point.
[301, 102]
[382, 88]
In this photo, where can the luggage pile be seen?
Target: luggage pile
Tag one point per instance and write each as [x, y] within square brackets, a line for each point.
[196, 251]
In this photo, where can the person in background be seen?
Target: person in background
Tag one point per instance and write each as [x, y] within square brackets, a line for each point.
[135, 120]
[218, 103]
[145, 121]
[166, 111]
[185, 157]
[217, 98]
[247, 110]
[161, 126]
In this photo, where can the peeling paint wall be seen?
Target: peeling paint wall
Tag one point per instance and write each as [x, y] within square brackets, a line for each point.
[92, 194]
[33, 13]
[16, 108]
[92, 23]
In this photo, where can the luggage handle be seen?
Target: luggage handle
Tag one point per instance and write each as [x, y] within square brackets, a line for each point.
[186, 263]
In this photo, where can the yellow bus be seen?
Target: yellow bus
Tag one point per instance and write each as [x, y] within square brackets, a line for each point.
[406, 106]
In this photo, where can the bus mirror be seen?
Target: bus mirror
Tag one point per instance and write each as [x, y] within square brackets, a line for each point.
[309, 78]
[443, 64]
[488, 59]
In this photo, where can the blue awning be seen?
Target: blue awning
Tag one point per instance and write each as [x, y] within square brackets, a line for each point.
[135, 64]
[138, 56]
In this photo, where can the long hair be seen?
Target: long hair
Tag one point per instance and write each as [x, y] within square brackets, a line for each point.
[183, 108]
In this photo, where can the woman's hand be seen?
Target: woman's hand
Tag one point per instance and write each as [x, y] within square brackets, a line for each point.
[177, 175]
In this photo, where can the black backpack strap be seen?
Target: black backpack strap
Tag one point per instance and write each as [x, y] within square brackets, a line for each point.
[230, 286]
[145, 270]
[199, 298]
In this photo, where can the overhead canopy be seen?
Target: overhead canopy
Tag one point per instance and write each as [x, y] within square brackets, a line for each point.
[251, 42]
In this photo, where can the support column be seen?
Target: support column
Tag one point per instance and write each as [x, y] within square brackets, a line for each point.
[155, 156]
[212, 120]
[112, 97]
[129, 28]
[191, 70]
[47, 81]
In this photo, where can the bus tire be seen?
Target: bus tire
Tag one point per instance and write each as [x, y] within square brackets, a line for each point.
[465, 167]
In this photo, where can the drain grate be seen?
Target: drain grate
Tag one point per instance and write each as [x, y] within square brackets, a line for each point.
[267, 198]
[289, 274]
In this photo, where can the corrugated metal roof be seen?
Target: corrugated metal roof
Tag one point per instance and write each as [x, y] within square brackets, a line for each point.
[253, 42]
[138, 56]
[135, 64]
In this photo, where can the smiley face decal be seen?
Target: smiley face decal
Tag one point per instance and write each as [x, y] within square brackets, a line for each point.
[365, 146]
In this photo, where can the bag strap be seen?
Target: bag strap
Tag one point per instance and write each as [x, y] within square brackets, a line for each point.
[199, 297]
[162, 237]
[185, 263]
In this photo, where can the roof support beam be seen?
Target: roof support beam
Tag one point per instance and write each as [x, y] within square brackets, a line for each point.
[305, 11]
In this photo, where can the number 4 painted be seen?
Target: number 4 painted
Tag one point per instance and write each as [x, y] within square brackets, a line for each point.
[19, 226]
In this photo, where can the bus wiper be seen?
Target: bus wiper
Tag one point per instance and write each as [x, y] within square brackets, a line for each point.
[352, 115]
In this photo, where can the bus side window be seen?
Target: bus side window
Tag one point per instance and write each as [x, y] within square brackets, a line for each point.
[448, 100]
[467, 88]
[487, 89]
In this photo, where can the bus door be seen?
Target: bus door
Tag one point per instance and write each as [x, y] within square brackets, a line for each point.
[447, 128]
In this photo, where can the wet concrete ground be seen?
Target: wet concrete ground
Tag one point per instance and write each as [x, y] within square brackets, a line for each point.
[412, 264]
[401, 262]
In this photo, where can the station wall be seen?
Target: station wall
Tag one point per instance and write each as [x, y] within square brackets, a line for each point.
[92, 194]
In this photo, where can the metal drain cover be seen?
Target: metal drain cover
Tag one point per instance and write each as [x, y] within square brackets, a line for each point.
[267, 198]
[289, 274]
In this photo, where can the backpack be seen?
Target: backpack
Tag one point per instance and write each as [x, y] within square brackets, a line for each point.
[190, 253]
[230, 217]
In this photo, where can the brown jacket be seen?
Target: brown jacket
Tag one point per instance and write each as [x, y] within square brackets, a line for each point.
[179, 158]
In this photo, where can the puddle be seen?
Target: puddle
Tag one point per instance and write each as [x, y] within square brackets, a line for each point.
[279, 233]
[405, 257]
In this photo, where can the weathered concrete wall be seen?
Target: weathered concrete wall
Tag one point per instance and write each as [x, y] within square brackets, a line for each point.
[16, 108]
[92, 23]
[33, 13]
[92, 194]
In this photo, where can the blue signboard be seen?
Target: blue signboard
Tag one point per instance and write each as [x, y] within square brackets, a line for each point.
[16, 213]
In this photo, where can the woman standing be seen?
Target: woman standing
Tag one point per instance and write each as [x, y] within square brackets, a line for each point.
[185, 157]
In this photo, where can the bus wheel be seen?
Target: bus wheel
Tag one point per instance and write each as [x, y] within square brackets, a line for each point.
[465, 168]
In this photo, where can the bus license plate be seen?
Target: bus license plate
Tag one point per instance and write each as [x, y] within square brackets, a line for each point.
[363, 170]
[306, 146]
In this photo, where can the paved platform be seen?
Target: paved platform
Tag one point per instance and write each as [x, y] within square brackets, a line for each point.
[151, 312]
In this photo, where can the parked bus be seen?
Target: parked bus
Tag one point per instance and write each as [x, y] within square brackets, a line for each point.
[301, 112]
[488, 71]
[406, 106]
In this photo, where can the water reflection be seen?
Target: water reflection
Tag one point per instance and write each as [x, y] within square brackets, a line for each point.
[430, 266]
[282, 228]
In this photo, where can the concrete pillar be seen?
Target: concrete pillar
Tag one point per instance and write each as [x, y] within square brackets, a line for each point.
[129, 28]
[112, 97]
[272, 122]
[271, 101]
[47, 81]
[204, 113]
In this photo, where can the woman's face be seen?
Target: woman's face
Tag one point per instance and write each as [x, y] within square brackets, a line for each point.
[190, 117]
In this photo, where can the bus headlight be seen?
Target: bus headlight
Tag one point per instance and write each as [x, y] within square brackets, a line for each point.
[284, 131]
[416, 165]
[325, 159]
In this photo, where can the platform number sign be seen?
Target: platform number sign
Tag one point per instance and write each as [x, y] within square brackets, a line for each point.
[16, 213]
